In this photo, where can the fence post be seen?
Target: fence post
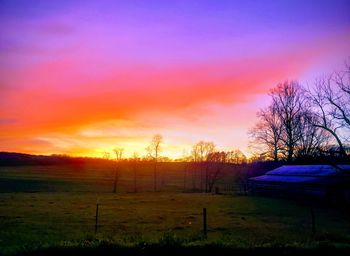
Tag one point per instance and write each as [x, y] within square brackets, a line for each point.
[205, 222]
[313, 221]
[96, 217]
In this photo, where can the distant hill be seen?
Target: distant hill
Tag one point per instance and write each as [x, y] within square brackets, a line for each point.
[15, 159]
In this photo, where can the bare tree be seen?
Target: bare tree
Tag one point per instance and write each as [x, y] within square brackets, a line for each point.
[118, 151]
[330, 100]
[288, 128]
[195, 159]
[216, 163]
[313, 140]
[288, 102]
[153, 151]
[185, 158]
[267, 133]
[340, 96]
[135, 161]
[106, 155]
[200, 152]
[236, 157]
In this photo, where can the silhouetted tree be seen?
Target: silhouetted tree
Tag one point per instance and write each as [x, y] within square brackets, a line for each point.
[216, 163]
[288, 128]
[106, 155]
[267, 133]
[313, 140]
[118, 151]
[340, 97]
[236, 157]
[135, 160]
[153, 151]
[330, 99]
[200, 152]
[288, 102]
[185, 158]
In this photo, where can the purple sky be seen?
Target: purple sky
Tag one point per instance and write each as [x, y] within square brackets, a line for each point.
[79, 77]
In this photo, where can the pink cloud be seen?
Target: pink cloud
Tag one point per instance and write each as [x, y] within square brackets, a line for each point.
[62, 96]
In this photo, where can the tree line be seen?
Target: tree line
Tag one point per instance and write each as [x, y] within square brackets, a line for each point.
[205, 164]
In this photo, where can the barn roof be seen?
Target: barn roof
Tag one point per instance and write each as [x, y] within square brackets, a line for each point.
[307, 170]
[303, 173]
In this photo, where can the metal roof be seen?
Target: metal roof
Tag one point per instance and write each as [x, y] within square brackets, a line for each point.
[304, 170]
[291, 179]
[303, 173]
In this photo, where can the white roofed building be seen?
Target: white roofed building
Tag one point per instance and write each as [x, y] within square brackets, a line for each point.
[329, 181]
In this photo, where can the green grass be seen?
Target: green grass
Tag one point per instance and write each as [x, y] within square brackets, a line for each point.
[99, 178]
[61, 214]
[31, 220]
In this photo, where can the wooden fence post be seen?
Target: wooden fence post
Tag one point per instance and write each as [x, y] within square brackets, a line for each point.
[205, 222]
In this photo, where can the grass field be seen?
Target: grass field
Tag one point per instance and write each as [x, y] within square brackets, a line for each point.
[173, 177]
[55, 206]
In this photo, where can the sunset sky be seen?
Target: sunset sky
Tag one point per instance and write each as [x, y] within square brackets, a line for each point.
[81, 77]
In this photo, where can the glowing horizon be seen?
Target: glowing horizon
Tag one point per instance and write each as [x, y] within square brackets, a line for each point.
[82, 77]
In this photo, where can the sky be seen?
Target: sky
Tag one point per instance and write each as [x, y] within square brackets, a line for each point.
[83, 77]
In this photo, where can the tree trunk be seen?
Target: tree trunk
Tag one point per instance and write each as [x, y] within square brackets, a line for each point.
[115, 181]
[135, 185]
[155, 176]
[275, 155]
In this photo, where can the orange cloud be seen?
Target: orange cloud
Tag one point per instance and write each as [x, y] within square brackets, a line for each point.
[51, 101]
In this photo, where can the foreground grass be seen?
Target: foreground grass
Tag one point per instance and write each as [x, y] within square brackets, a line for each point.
[47, 210]
[171, 245]
[66, 220]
